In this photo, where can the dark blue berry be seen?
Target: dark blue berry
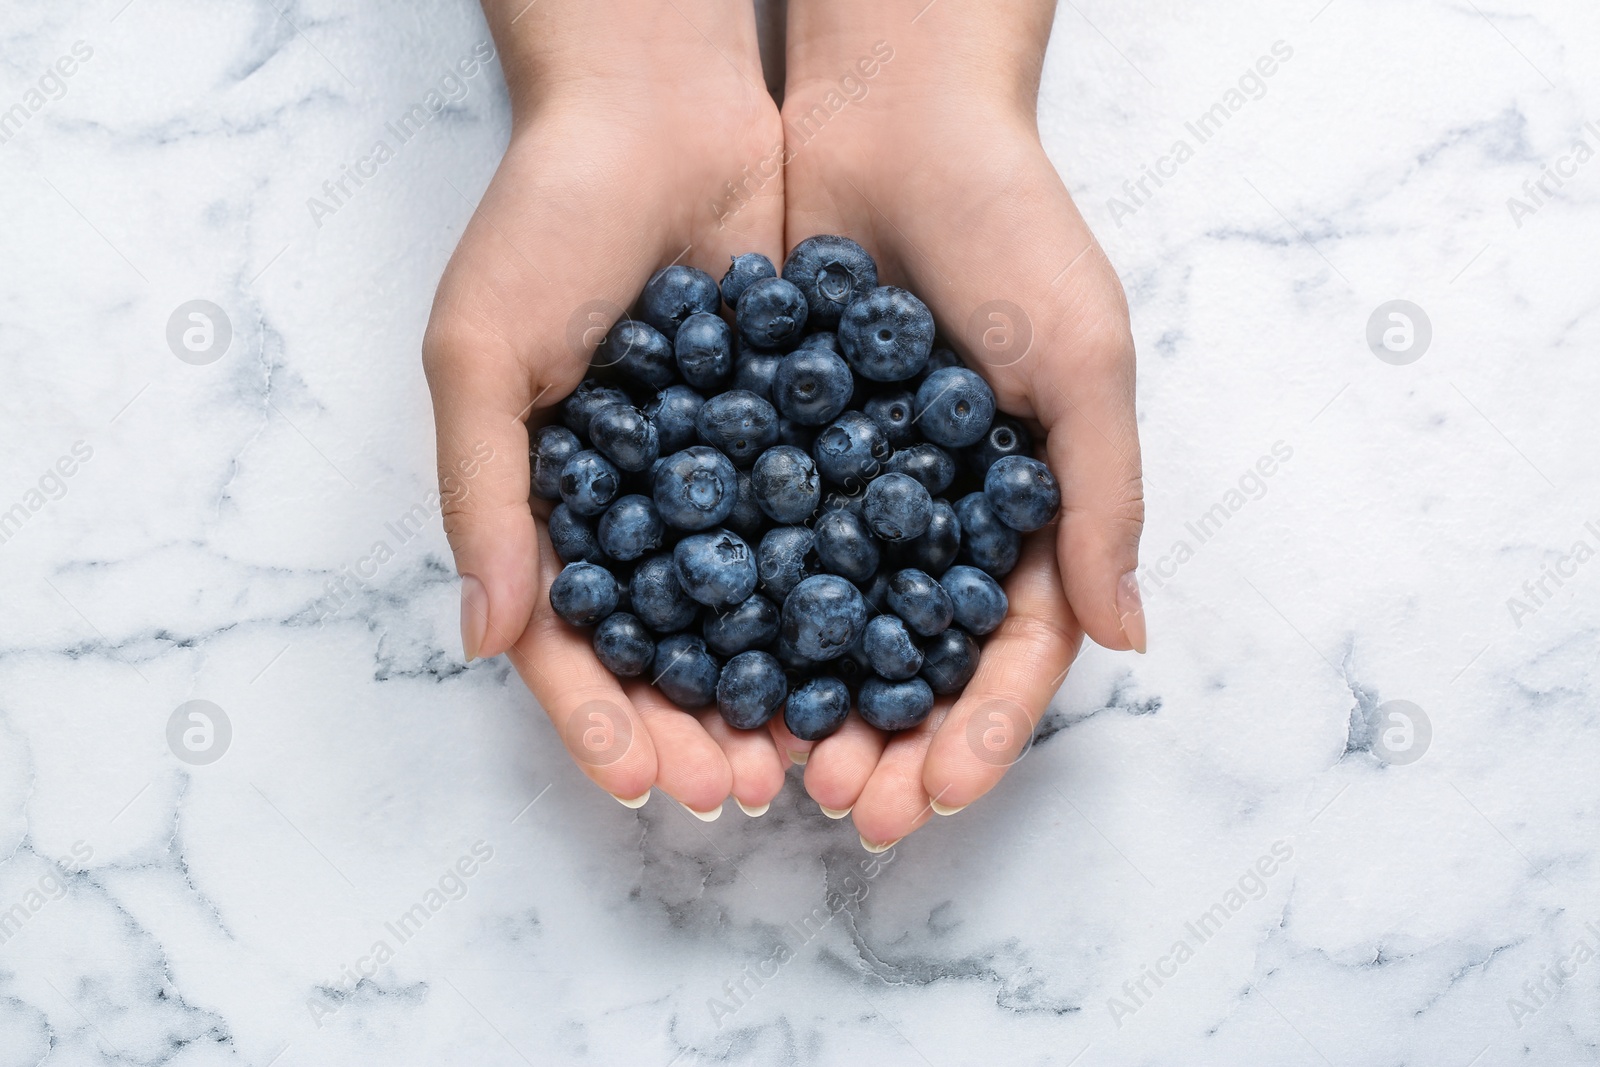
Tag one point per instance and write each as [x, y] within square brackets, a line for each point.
[845, 546]
[685, 671]
[954, 407]
[673, 411]
[894, 705]
[673, 294]
[986, 542]
[949, 660]
[832, 272]
[979, 602]
[753, 624]
[573, 537]
[890, 650]
[623, 645]
[887, 335]
[936, 549]
[920, 601]
[823, 339]
[755, 373]
[1023, 492]
[894, 412]
[589, 483]
[751, 689]
[851, 451]
[623, 434]
[695, 489]
[716, 569]
[739, 424]
[791, 658]
[786, 483]
[745, 269]
[823, 616]
[704, 350]
[589, 397]
[657, 598]
[928, 464]
[638, 351]
[812, 385]
[584, 593]
[817, 708]
[548, 453]
[786, 556]
[771, 314]
[630, 528]
[798, 436]
[746, 519]
[897, 507]
[876, 592]
[1006, 437]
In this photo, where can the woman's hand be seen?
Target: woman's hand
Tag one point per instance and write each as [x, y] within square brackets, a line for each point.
[936, 167]
[642, 135]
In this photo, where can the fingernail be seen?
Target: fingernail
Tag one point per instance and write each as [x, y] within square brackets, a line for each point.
[830, 813]
[755, 812]
[1130, 610]
[474, 615]
[705, 816]
[636, 802]
[870, 847]
[799, 757]
[940, 809]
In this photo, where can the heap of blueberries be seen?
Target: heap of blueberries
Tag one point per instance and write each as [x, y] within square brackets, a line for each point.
[759, 515]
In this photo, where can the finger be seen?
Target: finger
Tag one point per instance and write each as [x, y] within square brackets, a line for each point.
[753, 759]
[1022, 666]
[692, 768]
[841, 764]
[794, 750]
[893, 803]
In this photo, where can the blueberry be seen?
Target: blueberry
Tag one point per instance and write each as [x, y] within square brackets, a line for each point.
[954, 407]
[755, 373]
[852, 667]
[936, 549]
[942, 357]
[589, 483]
[787, 487]
[685, 671]
[845, 546]
[704, 350]
[739, 424]
[658, 599]
[673, 294]
[771, 314]
[823, 616]
[928, 464]
[786, 556]
[673, 412]
[1023, 492]
[887, 335]
[894, 411]
[823, 339]
[630, 528]
[876, 592]
[793, 434]
[897, 507]
[589, 397]
[791, 658]
[949, 660]
[638, 351]
[832, 272]
[838, 500]
[895, 705]
[716, 569]
[695, 489]
[548, 452]
[750, 690]
[890, 649]
[746, 519]
[584, 593]
[986, 542]
[812, 385]
[745, 269]
[920, 601]
[851, 451]
[1006, 437]
[574, 539]
[817, 708]
[980, 604]
[623, 434]
[753, 624]
[623, 645]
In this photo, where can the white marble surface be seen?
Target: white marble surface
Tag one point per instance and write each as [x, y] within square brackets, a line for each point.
[206, 914]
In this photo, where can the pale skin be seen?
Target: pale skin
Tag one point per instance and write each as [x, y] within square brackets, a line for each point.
[616, 157]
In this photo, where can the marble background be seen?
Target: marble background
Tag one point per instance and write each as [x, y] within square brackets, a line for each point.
[193, 914]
